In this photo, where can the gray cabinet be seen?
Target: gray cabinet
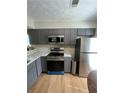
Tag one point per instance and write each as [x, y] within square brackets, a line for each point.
[73, 36]
[44, 64]
[38, 66]
[86, 32]
[44, 33]
[33, 36]
[31, 75]
[56, 32]
[30, 79]
[67, 36]
[67, 64]
[40, 36]
[81, 32]
[90, 32]
[70, 35]
[43, 36]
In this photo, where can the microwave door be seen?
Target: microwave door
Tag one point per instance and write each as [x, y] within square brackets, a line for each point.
[50, 39]
[62, 39]
[58, 39]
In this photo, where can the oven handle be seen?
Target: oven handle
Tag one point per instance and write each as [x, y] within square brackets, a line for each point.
[55, 59]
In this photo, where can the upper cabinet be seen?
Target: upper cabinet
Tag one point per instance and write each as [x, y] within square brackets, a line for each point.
[40, 36]
[86, 32]
[33, 36]
[56, 31]
[43, 36]
[70, 35]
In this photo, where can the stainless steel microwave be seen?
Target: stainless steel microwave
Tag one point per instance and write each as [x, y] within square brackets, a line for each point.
[56, 39]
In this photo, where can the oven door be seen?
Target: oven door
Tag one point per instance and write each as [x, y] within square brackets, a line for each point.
[55, 65]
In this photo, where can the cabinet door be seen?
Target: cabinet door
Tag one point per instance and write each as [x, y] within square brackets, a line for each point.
[43, 36]
[70, 35]
[33, 36]
[73, 36]
[81, 32]
[67, 64]
[38, 66]
[30, 79]
[86, 32]
[57, 31]
[34, 72]
[31, 75]
[90, 32]
[44, 64]
[67, 36]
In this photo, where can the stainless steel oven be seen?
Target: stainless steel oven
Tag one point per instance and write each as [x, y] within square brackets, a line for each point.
[55, 61]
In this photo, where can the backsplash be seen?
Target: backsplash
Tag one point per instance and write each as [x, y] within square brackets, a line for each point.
[67, 48]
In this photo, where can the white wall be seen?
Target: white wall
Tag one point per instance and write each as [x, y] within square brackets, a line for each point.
[30, 22]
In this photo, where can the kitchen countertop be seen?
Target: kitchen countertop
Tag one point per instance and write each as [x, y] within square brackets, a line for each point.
[40, 52]
[36, 53]
[67, 55]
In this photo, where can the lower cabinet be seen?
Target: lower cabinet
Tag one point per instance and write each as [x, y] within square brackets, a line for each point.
[31, 75]
[44, 64]
[67, 64]
[38, 66]
[33, 71]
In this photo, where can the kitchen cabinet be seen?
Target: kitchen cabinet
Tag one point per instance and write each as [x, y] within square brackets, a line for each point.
[90, 32]
[67, 64]
[44, 33]
[56, 32]
[40, 36]
[81, 32]
[33, 36]
[44, 64]
[67, 36]
[73, 34]
[86, 32]
[31, 75]
[70, 35]
[38, 66]
[43, 36]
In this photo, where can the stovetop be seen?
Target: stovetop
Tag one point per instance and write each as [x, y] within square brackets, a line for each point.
[55, 54]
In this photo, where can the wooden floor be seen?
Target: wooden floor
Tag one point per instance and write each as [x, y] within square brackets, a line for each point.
[66, 83]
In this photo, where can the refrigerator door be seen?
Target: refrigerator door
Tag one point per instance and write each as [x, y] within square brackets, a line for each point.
[84, 65]
[93, 45]
[92, 59]
[88, 44]
[87, 63]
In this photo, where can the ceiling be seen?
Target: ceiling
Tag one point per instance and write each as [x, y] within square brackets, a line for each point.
[61, 10]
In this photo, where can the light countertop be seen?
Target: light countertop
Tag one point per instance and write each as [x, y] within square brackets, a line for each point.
[40, 52]
[36, 53]
[67, 55]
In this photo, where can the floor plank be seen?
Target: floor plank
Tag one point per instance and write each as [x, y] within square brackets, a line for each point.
[66, 83]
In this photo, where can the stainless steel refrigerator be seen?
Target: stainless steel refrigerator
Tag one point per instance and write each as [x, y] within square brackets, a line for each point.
[85, 55]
